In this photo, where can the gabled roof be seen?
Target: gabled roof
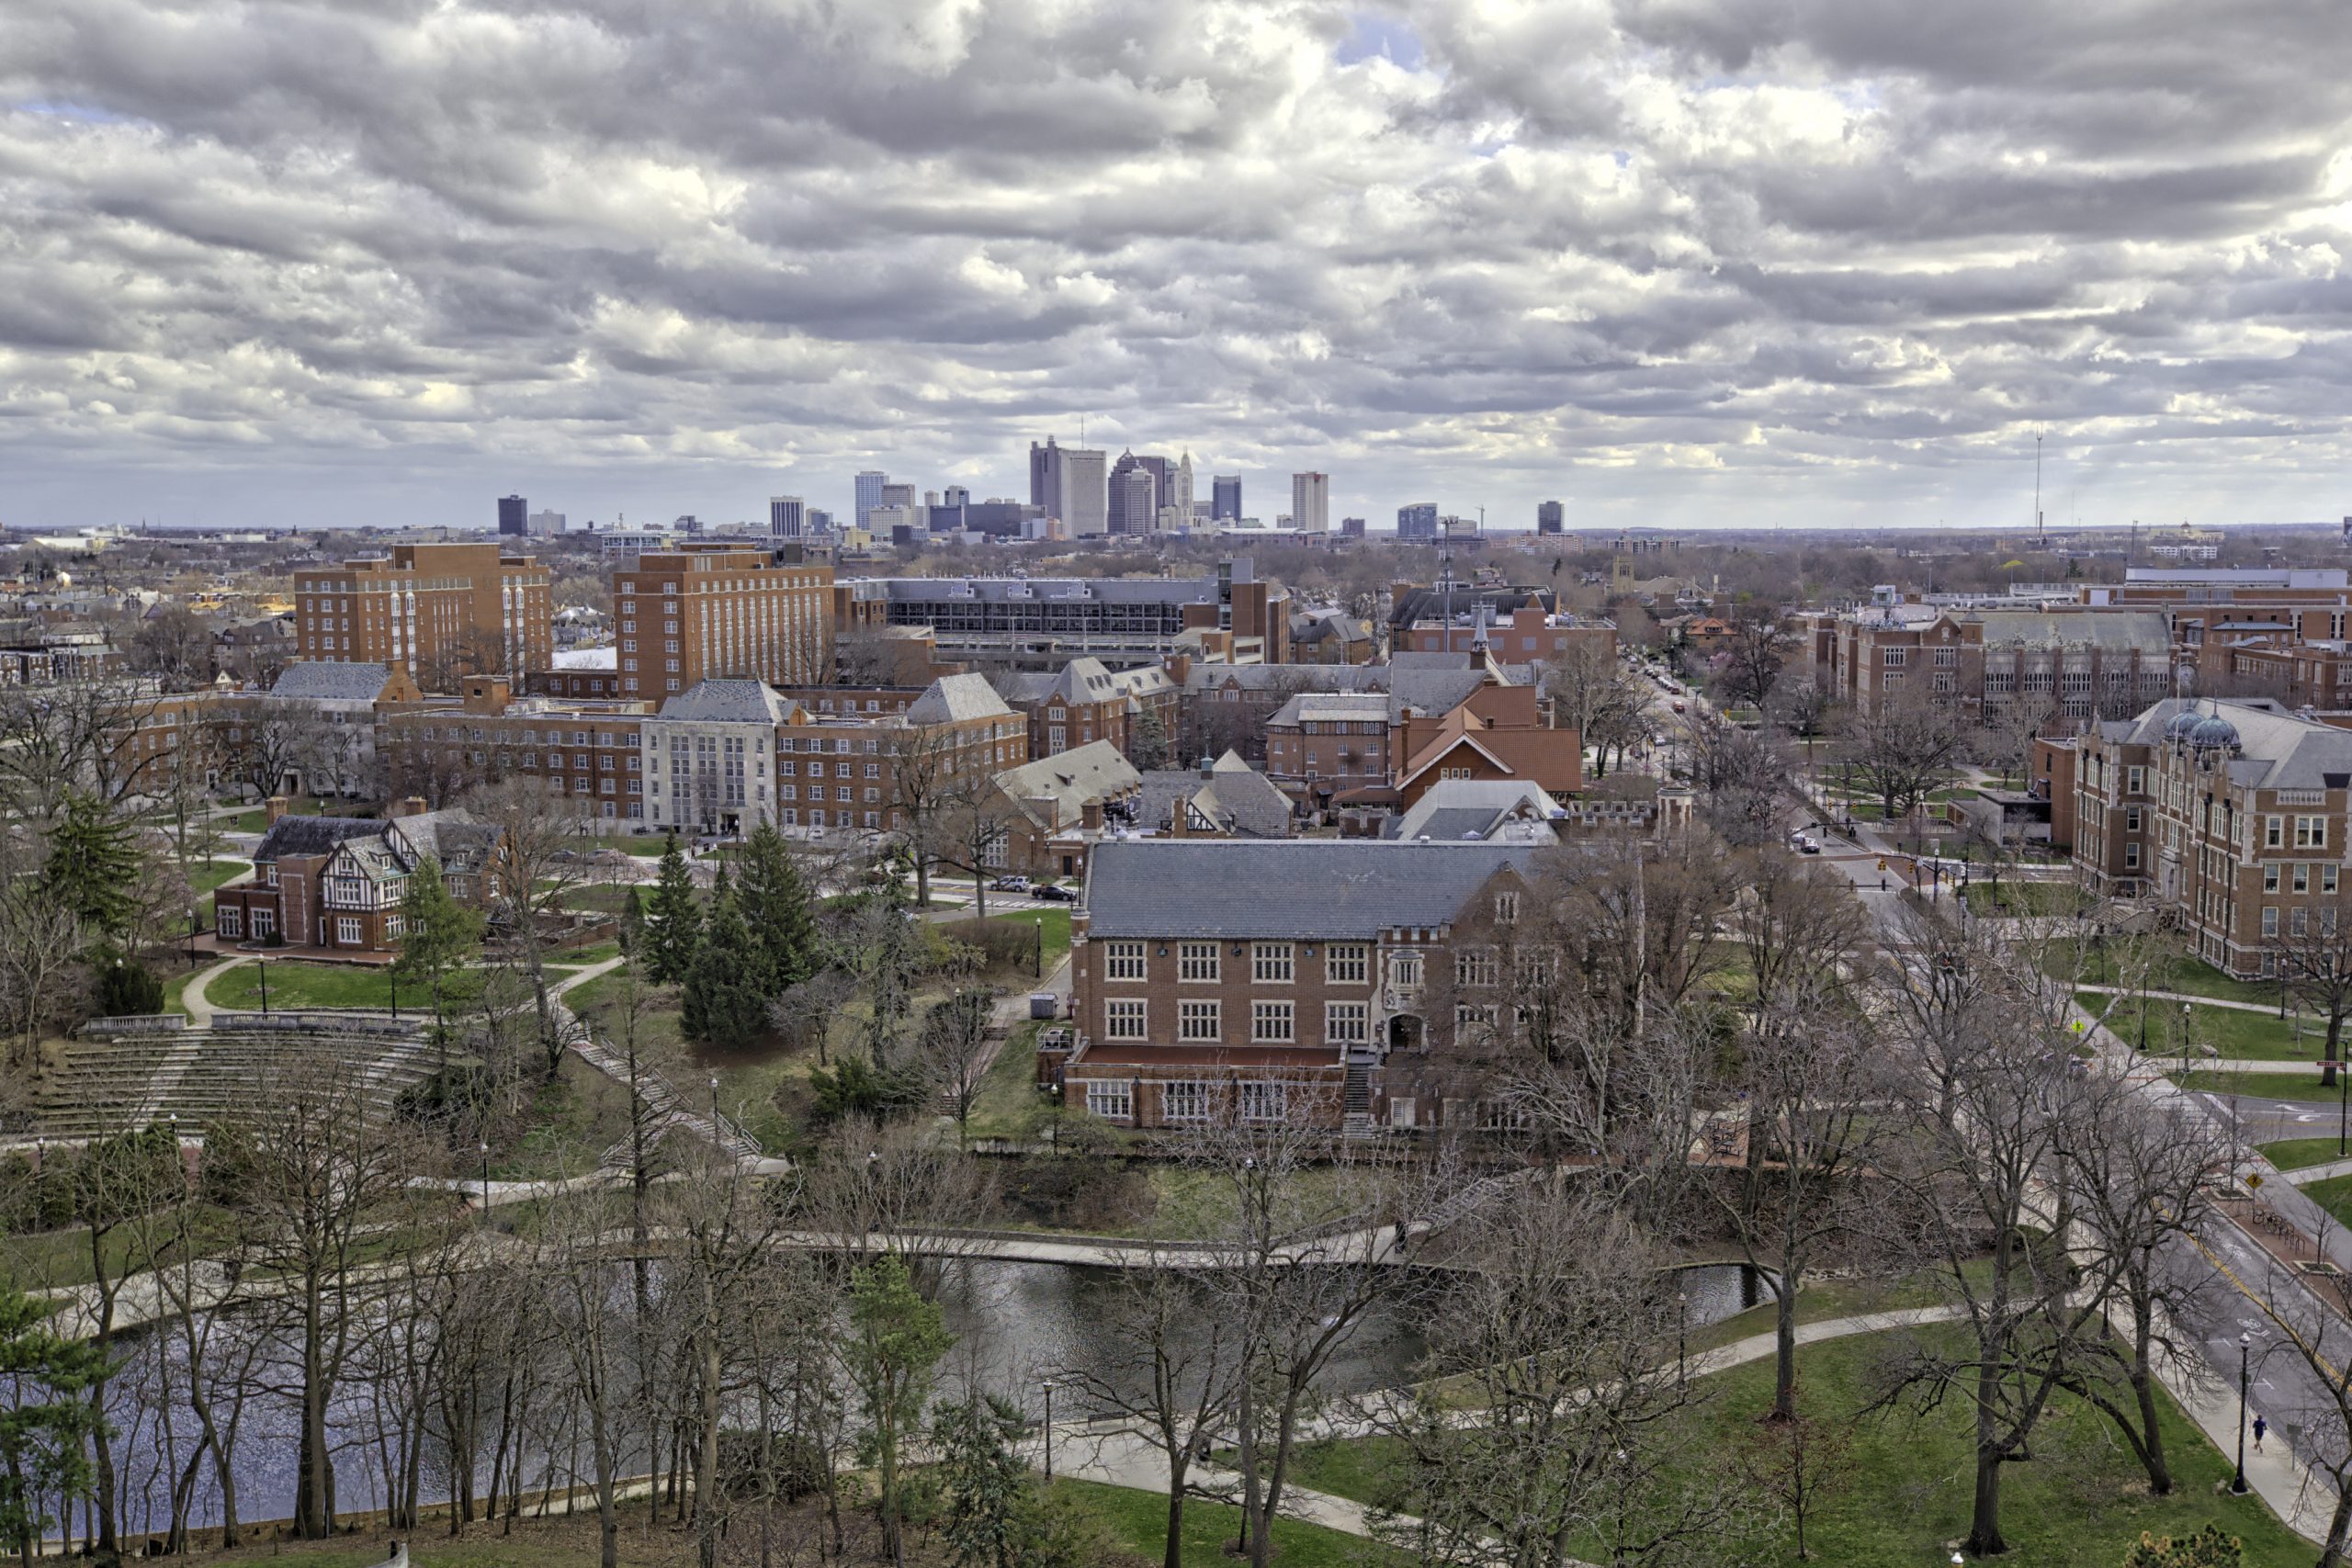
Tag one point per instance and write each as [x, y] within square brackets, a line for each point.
[453, 837]
[1301, 889]
[1084, 680]
[329, 681]
[953, 698]
[1454, 809]
[1331, 707]
[729, 702]
[1095, 770]
[313, 835]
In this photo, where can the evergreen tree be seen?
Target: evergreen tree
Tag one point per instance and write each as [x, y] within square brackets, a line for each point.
[775, 908]
[633, 920]
[673, 921]
[895, 1341]
[42, 1438]
[124, 986]
[438, 933]
[93, 863]
[984, 1478]
[722, 1004]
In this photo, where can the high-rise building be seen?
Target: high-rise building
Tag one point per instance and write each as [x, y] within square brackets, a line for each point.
[1550, 518]
[897, 495]
[1418, 521]
[437, 611]
[869, 493]
[1351, 527]
[1180, 490]
[1310, 502]
[1224, 504]
[1134, 494]
[545, 525]
[819, 520]
[1070, 483]
[685, 616]
[956, 495]
[787, 516]
[513, 516]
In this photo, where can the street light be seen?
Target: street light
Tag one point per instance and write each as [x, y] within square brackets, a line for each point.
[485, 1182]
[1041, 947]
[2185, 1021]
[2237, 1481]
[261, 968]
[1682, 1337]
[193, 927]
[1048, 1386]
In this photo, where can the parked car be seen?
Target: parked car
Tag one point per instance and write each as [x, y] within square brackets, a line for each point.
[1055, 895]
[1010, 884]
[1680, 706]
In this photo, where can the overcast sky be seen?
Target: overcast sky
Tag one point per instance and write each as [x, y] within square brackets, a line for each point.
[1676, 262]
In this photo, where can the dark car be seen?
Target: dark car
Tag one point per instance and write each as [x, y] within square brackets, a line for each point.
[1054, 895]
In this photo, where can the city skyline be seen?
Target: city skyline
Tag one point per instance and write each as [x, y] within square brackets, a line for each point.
[1758, 264]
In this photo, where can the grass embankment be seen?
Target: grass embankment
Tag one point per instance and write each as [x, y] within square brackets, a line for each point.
[2168, 966]
[1056, 925]
[2015, 898]
[2080, 1504]
[2231, 1034]
[37, 1261]
[2334, 1195]
[572, 1119]
[2297, 1154]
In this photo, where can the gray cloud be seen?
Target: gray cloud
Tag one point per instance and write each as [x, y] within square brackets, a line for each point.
[1675, 260]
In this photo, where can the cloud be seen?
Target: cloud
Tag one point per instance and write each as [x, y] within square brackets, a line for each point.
[1675, 260]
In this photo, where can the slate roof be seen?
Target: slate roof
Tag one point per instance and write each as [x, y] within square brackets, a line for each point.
[955, 698]
[1453, 809]
[2146, 630]
[2275, 750]
[1301, 889]
[729, 702]
[1245, 800]
[313, 835]
[453, 837]
[1331, 707]
[1095, 770]
[331, 680]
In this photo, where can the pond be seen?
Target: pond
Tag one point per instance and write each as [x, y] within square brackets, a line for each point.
[1016, 1323]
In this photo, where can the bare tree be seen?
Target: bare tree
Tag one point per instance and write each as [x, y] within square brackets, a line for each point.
[1759, 649]
[1593, 694]
[2314, 955]
[1904, 745]
[534, 863]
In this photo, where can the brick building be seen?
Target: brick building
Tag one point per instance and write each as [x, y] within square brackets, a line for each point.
[2231, 814]
[1086, 702]
[587, 752]
[334, 883]
[1229, 981]
[1373, 749]
[435, 611]
[2081, 663]
[1515, 625]
[691, 615]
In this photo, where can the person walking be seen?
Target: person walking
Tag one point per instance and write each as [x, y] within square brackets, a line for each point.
[2260, 1427]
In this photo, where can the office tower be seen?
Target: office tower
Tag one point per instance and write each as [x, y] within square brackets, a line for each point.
[819, 520]
[437, 611]
[1180, 490]
[869, 493]
[787, 515]
[1224, 505]
[897, 495]
[1310, 502]
[1132, 507]
[1418, 521]
[1070, 483]
[1549, 516]
[687, 615]
[956, 495]
[513, 516]
[545, 525]
[1351, 527]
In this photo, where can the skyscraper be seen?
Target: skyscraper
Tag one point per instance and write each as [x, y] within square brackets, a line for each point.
[869, 493]
[787, 516]
[1070, 483]
[514, 515]
[1310, 502]
[1418, 521]
[1550, 516]
[1225, 497]
[1133, 505]
[1180, 490]
[958, 496]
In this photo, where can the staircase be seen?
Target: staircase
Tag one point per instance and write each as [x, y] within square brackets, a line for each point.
[1356, 1102]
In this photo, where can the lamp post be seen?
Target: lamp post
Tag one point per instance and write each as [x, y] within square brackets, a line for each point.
[2237, 1481]
[713, 1110]
[193, 927]
[484, 1149]
[2185, 1021]
[1048, 1386]
[394, 976]
[1040, 960]
[1682, 1337]
[261, 968]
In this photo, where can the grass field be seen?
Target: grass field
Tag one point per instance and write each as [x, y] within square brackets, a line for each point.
[1140, 1521]
[2233, 1033]
[2080, 1504]
[295, 984]
[2017, 897]
[1057, 926]
[2295, 1154]
[2258, 1085]
[2170, 969]
[571, 1121]
[1008, 1104]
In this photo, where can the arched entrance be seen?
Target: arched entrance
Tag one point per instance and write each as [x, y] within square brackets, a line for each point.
[1404, 1032]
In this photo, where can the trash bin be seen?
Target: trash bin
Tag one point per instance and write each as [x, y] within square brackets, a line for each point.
[1044, 1004]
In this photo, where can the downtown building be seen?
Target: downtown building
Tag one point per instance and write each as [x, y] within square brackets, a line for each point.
[686, 615]
[1070, 483]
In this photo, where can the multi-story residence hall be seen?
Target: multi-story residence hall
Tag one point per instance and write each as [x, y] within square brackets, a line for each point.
[740, 613]
[2230, 813]
[1041, 622]
[2084, 663]
[1237, 981]
[435, 611]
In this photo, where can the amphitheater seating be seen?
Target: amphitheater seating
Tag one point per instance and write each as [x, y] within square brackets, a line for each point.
[112, 1079]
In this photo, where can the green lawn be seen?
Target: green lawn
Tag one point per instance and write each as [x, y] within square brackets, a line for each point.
[1057, 926]
[38, 1260]
[2079, 1504]
[1140, 1521]
[567, 1125]
[2294, 1154]
[2334, 1195]
[295, 984]
[2234, 1034]
[1008, 1104]
[2260, 1085]
[2170, 969]
[2024, 897]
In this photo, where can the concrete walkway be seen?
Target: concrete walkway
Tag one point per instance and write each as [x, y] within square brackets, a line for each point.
[2318, 1172]
[2180, 996]
[199, 1010]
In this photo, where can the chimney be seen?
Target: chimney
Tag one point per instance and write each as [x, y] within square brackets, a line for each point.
[1090, 815]
[408, 806]
[1178, 665]
[1180, 817]
[272, 809]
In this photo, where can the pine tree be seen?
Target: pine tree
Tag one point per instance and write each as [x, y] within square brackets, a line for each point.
[722, 1006]
[775, 904]
[438, 933]
[673, 921]
[93, 863]
[633, 920]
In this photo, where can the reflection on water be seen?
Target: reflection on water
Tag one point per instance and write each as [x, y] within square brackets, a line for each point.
[1016, 1323]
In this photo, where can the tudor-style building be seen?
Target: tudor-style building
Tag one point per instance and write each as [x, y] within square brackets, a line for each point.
[1309, 981]
[334, 883]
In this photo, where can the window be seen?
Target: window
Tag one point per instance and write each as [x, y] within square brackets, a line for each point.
[264, 922]
[1895, 657]
[1123, 1019]
[1111, 1102]
[2270, 879]
[2299, 921]
[394, 925]
[2271, 839]
[1347, 1023]
[1343, 964]
[2131, 857]
[1263, 1102]
[2132, 819]
[2311, 832]
[1270, 1024]
[2135, 781]
[1184, 1101]
[1198, 1021]
[1197, 961]
[2327, 880]
[1505, 908]
[230, 920]
[1123, 960]
[1271, 963]
[1407, 971]
[2269, 920]
[2302, 879]
[347, 931]
[1477, 967]
[1947, 658]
